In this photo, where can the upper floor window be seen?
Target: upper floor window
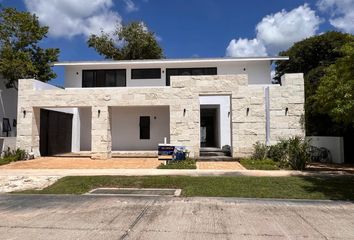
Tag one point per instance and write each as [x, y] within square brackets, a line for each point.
[104, 78]
[146, 73]
[189, 71]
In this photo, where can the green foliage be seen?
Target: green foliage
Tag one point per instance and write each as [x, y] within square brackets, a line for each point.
[278, 153]
[298, 153]
[335, 94]
[335, 187]
[293, 152]
[12, 156]
[260, 151]
[183, 164]
[20, 55]
[311, 53]
[259, 164]
[131, 41]
[312, 56]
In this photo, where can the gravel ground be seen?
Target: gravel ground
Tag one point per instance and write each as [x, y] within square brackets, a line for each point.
[19, 183]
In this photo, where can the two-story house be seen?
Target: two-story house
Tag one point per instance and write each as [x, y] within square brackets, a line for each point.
[120, 108]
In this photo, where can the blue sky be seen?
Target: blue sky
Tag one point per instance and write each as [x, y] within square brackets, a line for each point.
[190, 28]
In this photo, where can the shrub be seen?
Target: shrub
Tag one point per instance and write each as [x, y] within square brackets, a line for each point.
[260, 151]
[15, 155]
[181, 164]
[12, 156]
[298, 153]
[293, 152]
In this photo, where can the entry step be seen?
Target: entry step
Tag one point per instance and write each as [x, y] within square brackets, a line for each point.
[216, 159]
[214, 152]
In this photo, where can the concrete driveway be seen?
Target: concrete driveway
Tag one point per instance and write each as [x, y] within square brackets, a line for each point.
[95, 217]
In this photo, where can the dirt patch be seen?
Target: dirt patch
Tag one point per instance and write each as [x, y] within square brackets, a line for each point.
[220, 165]
[84, 163]
[346, 168]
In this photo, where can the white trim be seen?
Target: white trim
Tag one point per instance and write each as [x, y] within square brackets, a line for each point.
[169, 61]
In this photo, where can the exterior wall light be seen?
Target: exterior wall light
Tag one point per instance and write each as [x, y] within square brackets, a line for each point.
[99, 113]
[247, 111]
[184, 112]
[286, 111]
[24, 113]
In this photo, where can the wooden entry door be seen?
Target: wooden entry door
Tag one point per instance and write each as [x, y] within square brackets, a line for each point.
[55, 132]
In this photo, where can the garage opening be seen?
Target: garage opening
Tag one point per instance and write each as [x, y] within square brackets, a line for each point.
[65, 132]
[55, 132]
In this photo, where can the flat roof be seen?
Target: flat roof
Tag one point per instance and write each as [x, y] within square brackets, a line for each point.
[164, 61]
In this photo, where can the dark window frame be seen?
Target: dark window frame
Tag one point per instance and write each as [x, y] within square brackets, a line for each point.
[6, 127]
[97, 82]
[192, 72]
[145, 73]
[144, 127]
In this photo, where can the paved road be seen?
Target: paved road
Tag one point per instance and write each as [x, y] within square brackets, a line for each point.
[95, 217]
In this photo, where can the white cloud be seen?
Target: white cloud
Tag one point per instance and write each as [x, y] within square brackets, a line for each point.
[245, 48]
[280, 30]
[277, 32]
[342, 13]
[68, 18]
[130, 6]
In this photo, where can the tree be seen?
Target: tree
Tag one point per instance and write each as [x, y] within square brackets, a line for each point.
[335, 93]
[312, 56]
[20, 54]
[131, 41]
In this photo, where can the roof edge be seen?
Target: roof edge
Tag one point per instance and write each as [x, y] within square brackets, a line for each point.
[182, 60]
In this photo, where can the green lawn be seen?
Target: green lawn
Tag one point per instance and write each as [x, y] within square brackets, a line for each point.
[338, 187]
[266, 164]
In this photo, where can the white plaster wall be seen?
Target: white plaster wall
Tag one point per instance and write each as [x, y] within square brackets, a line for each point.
[334, 144]
[125, 127]
[258, 72]
[224, 120]
[8, 106]
[7, 142]
[38, 85]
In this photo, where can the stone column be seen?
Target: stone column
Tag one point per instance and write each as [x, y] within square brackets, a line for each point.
[101, 133]
[28, 121]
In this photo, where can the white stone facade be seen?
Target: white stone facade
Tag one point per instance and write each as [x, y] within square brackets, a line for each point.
[248, 111]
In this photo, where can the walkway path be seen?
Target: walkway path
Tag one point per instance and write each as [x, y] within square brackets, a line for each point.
[157, 172]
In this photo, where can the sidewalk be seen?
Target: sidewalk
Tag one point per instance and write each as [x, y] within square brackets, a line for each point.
[159, 172]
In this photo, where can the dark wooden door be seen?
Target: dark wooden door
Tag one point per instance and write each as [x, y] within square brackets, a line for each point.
[55, 132]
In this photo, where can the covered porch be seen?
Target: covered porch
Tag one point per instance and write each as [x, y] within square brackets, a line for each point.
[132, 131]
